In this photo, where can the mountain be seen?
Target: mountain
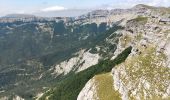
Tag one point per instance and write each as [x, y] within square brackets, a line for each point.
[31, 51]
[120, 54]
[145, 73]
[19, 16]
[63, 13]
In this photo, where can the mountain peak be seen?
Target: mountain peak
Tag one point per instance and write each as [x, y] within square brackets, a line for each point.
[143, 6]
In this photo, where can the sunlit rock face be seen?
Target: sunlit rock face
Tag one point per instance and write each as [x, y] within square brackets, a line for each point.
[13, 98]
[89, 91]
[142, 76]
[145, 74]
[82, 60]
[17, 98]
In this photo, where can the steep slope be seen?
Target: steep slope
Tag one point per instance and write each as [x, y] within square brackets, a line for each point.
[145, 74]
[104, 55]
[36, 55]
[100, 87]
[69, 88]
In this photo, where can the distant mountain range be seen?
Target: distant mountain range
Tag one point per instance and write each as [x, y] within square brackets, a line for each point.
[19, 16]
[63, 13]
[119, 54]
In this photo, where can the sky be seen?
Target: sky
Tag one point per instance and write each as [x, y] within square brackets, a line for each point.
[54, 6]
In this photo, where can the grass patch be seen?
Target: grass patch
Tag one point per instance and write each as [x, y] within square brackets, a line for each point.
[105, 88]
[140, 19]
[151, 67]
[139, 36]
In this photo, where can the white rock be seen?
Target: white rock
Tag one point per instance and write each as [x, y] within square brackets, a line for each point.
[39, 95]
[17, 98]
[4, 98]
[167, 51]
[84, 60]
[88, 92]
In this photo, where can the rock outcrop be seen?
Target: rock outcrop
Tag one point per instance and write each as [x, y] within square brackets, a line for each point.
[145, 75]
[82, 60]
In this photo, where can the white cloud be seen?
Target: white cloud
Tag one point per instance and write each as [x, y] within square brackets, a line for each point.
[54, 8]
[165, 3]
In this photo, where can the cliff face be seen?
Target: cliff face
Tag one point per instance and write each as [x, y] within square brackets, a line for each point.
[82, 61]
[89, 91]
[145, 74]
[78, 59]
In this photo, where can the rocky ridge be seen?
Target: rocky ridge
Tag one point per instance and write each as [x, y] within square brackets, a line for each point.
[145, 73]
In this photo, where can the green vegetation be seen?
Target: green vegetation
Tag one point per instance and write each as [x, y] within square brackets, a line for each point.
[69, 88]
[32, 41]
[146, 6]
[44, 44]
[150, 66]
[139, 36]
[105, 88]
[141, 19]
[93, 50]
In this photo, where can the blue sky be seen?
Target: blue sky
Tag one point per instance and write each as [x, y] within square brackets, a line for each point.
[34, 6]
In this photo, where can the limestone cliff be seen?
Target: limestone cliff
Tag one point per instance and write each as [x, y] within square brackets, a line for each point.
[145, 75]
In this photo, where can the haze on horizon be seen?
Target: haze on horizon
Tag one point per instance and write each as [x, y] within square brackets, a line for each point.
[51, 8]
